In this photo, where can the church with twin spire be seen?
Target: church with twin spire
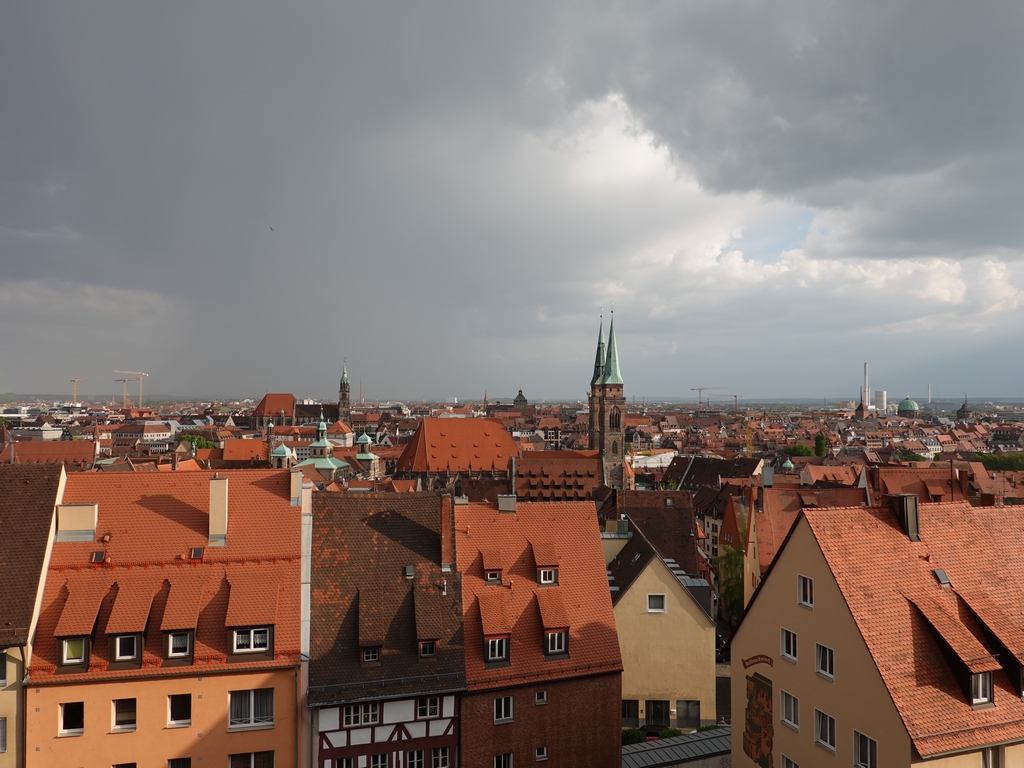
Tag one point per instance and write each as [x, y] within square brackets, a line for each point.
[608, 409]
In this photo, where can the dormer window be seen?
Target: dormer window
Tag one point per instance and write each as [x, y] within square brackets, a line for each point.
[497, 649]
[73, 650]
[428, 649]
[371, 655]
[126, 648]
[253, 640]
[179, 645]
[556, 642]
[547, 577]
[492, 577]
[981, 689]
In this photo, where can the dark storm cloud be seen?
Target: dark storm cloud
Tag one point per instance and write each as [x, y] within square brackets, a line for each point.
[235, 196]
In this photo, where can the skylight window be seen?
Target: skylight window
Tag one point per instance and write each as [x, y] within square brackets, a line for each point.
[97, 557]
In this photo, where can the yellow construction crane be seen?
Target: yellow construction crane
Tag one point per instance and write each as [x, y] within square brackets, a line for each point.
[140, 374]
[750, 441]
[74, 389]
[124, 390]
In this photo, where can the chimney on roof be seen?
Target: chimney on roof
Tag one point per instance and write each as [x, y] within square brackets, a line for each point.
[447, 527]
[296, 487]
[218, 510]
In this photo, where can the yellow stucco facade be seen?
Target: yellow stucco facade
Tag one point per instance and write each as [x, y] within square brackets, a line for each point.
[207, 738]
[856, 696]
[667, 656]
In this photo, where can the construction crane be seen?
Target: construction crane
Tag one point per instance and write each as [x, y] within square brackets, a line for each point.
[700, 393]
[735, 398]
[74, 390]
[140, 374]
[750, 441]
[124, 390]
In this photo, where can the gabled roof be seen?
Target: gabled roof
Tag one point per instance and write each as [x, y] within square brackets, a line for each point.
[516, 603]
[70, 452]
[458, 445]
[154, 520]
[27, 498]
[781, 507]
[362, 543]
[905, 616]
[273, 404]
[670, 529]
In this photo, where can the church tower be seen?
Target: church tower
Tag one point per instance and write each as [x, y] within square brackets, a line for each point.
[344, 389]
[608, 409]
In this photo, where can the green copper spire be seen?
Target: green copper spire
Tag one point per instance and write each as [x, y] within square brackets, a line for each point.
[599, 360]
[611, 364]
[344, 373]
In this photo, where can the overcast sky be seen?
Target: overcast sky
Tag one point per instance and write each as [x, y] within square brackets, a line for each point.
[234, 197]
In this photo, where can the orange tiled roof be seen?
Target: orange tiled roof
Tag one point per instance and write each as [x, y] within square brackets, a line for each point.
[889, 584]
[458, 445]
[515, 606]
[153, 521]
[273, 404]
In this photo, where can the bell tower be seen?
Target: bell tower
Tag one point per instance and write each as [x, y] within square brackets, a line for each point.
[344, 390]
[608, 408]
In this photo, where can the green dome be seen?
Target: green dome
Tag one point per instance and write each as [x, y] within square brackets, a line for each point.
[787, 464]
[363, 439]
[906, 404]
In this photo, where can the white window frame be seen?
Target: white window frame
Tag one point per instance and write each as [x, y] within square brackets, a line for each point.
[380, 760]
[428, 652]
[3, 735]
[171, 653]
[794, 704]
[355, 715]
[503, 709]
[414, 758]
[496, 644]
[548, 575]
[824, 719]
[805, 591]
[237, 634]
[540, 698]
[71, 731]
[541, 754]
[64, 650]
[127, 728]
[118, 656]
[788, 762]
[253, 722]
[664, 602]
[370, 655]
[440, 757]
[556, 643]
[822, 653]
[981, 688]
[3, 668]
[504, 760]
[425, 704]
[860, 760]
[992, 757]
[785, 636]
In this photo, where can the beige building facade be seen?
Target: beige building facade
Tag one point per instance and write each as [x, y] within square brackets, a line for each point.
[803, 676]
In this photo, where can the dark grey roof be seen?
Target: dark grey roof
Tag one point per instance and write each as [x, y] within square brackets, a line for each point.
[678, 750]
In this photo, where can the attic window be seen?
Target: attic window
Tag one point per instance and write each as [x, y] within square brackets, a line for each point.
[547, 576]
[97, 557]
[981, 689]
[492, 577]
[428, 648]
[941, 577]
[196, 553]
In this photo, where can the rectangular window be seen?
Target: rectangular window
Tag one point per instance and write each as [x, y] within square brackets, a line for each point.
[557, 642]
[503, 760]
[179, 709]
[427, 649]
[493, 577]
[630, 713]
[825, 661]
[497, 649]
[344, 762]
[256, 640]
[688, 714]
[542, 754]
[439, 757]
[72, 717]
[3, 667]
[547, 576]
[73, 650]
[427, 707]
[124, 714]
[541, 697]
[992, 757]
[788, 645]
[178, 645]
[251, 708]
[3, 734]
[788, 762]
[825, 731]
[981, 688]
[657, 713]
[655, 603]
[361, 714]
[805, 591]
[503, 709]
[414, 758]
[180, 762]
[371, 654]
[791, 710]
[252, 760]
[378, 761]
[126, 648]
[865, 751]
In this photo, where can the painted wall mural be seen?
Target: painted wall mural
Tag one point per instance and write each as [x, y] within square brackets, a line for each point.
[758, 728]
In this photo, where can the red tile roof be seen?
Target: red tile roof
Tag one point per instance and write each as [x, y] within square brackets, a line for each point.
[153, 520]
[273, 404]
[458, 445]
[71, 452]
[516, 605]
[890, 586]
